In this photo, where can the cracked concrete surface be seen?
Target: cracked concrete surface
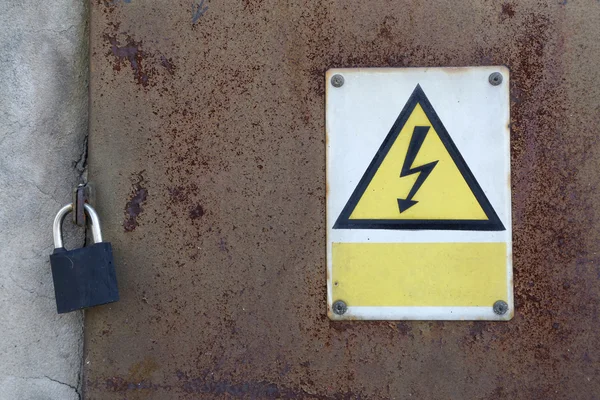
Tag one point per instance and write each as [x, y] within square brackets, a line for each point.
[14, 387]
[43, 139]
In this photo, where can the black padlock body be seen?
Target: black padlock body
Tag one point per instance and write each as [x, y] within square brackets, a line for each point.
[84, 277]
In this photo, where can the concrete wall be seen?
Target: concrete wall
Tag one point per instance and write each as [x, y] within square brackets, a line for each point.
[43, 138]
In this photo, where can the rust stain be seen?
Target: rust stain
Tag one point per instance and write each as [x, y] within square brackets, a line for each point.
[206, 383]
[385, 29]
[196, 212]
[133, 208]
[168, 64]
[131, 52]
[142, 370]
[508, 10]
[138, 380]
[252, 6]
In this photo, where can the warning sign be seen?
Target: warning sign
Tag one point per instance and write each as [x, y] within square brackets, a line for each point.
[418, 180]
[418, 200]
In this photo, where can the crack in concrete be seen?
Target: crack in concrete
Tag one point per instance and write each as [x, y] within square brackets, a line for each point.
[79, 374]
[66, 384]
[30, 291]
[46, 377]
[54, 31]
[39, 189]
[81, 164]
[28, 181]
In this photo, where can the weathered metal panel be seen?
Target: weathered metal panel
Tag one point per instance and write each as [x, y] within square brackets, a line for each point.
[207, 149]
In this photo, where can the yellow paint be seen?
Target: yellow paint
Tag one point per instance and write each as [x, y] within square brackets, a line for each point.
[419, 274]
[444, 195]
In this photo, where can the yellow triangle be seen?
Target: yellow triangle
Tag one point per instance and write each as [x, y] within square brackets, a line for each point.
[443, 195]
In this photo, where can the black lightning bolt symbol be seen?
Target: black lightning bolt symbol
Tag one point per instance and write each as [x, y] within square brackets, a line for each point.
[416, 141]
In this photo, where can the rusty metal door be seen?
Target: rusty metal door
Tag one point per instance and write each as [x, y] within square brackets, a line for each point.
[207, 149]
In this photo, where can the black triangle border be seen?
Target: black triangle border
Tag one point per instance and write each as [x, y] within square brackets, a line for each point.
[493, 222]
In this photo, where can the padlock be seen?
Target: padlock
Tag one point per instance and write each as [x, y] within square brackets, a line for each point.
[83, 277]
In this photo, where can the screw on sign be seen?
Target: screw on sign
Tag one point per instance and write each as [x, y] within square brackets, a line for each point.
[500, 307]
[339, 307]
[337, 80]
[83, 277]
[495, 78]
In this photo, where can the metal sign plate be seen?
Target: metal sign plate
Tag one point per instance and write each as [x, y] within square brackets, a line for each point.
[418, 201]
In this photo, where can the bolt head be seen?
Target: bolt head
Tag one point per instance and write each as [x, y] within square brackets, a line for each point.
[339, 307]
[495, 78]
[337, 80]
[500, 307]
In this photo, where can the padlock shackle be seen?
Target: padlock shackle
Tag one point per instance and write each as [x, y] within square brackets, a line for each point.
[58, 220]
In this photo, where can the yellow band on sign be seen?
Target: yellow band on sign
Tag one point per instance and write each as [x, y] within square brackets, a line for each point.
[419, 274]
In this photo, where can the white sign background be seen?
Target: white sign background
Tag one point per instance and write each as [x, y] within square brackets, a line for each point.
[360, 114]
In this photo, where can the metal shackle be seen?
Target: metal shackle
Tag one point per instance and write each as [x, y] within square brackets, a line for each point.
[58, 220]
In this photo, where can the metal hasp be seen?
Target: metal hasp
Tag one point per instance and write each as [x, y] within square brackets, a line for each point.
[82, 194]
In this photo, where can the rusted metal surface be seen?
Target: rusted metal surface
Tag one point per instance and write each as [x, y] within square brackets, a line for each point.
[207, 148]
